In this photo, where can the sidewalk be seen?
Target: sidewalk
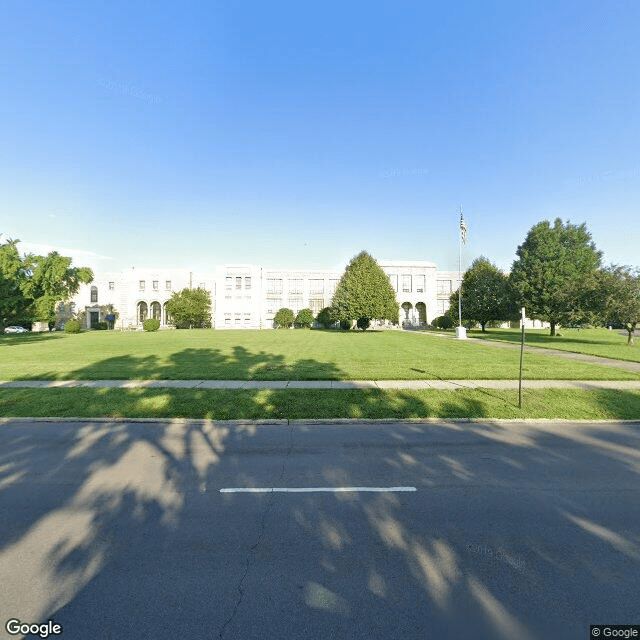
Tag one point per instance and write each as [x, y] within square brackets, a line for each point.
[622, 385]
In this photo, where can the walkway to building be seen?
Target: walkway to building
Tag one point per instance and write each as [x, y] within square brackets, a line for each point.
[608, 362]
[622, 385]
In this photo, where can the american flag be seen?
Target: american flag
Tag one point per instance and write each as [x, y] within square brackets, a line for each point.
[463, 229]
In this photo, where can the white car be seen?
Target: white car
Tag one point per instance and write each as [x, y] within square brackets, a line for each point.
[16, 329]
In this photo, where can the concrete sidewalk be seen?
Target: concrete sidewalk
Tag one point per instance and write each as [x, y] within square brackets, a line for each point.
[622, 385]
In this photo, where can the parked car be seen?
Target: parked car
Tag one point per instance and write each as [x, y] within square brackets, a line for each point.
[16, 329]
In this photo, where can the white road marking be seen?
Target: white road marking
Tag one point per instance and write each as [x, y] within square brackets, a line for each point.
[312, 489]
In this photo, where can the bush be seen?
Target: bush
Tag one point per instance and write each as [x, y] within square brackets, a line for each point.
[72, 326]
[443, 322]
[284, 318]
[151, 324]
[304, 318]
[325, 317]
[345, 325]
[363, 323]
[102, 326]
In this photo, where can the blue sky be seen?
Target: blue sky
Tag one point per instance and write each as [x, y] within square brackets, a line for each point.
[297, 134]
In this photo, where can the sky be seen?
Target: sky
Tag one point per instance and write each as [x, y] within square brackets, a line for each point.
[296, 134]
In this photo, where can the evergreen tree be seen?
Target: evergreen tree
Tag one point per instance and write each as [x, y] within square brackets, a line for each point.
[364, 291]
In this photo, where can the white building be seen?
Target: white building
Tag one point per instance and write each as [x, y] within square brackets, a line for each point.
[246, 296]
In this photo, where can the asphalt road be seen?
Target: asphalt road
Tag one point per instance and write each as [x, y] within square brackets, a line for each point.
[514, 531]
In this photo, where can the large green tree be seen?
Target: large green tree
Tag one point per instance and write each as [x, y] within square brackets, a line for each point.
[14, 305]
[556, 272]
[364, 291]
[190, 308]
[31, 286]
[52, 279]
[486, 295]
[620, 292]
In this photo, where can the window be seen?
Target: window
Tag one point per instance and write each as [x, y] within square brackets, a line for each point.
[273, 304]
[420, 284]
[295, 285]
[295, 304]
[393, 279]
[406, 283]
[238, 319]
[167, 285]
[274, 285]
[238, 282]
[141, 285]
[227, 319]
[247, 282]
[442, 306]
[155, 285]
[94, 294]
[201, 286]
[316, 305]
[331, 289]
[247, 318]
[112, 286]
[228, 283]
[316, 286]
[444, 287]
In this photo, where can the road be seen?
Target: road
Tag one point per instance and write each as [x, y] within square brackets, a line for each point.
[514, 530]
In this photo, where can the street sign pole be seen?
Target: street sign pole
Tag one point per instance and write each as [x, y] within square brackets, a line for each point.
[521, 352]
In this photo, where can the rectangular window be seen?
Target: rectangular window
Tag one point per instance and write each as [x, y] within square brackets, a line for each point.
[94, 294]
[295, 304]
[238, 319]
[247, 318]
[273, 304]
[228, 283]
[295, 285]
[247, 282]
[238, 282]
[331, 289]
[316, 287]
[274, 285]
[316, 305]
[202, 286]
[406, 284]
[420, 284]
[444, 287]
[141, 285]
[167, 285]
[112, 286]
[227, 319]
[393, 279]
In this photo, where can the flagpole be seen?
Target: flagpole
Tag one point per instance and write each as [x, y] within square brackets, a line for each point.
[460, 274]
[461, 332]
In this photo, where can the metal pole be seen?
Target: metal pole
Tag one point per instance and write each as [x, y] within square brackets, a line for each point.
[460, 276]
[521, 352]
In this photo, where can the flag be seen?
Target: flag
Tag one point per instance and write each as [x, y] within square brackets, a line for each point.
[463, 229]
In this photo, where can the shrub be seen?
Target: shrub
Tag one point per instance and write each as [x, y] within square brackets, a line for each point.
[151, 324]
[102, 326]
[363, 323]
[72, 326]
[304, 318]
[284, 317]
[345, 325]
[326, 317]
[443, 322]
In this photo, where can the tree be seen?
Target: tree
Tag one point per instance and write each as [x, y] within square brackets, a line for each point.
[52, 279]
[190, 308]
[363, 323]
[555, 273]
[14, 305]
[364, 291]
[620, 290]
[325, 317]
[304, 318]
[284, 318]
[485, 294]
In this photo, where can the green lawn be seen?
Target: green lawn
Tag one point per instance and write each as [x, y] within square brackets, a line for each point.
[314, 403]
[275, 355]
[594, 342]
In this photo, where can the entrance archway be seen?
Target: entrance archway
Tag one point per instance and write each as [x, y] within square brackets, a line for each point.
[143, 312]
[421, 308]
[407, 308]
[156, 311]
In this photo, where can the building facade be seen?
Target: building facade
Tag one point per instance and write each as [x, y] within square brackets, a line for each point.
[246, 296]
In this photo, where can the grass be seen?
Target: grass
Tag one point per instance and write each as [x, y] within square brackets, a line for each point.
[296, 404]
[593, 342]
[276, 355]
